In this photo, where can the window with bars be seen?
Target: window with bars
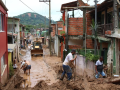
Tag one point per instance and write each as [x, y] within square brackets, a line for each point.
[1, 22]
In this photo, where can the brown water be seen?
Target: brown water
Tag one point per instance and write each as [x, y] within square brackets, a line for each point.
[40, 70]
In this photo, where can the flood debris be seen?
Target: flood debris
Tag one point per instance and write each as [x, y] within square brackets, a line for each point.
[115, 81]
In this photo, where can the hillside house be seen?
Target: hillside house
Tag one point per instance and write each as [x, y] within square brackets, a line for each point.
[78, 36]
[13, 34]
[108, 33]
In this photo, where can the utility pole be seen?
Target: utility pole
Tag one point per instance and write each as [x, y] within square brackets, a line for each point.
[95, 43]
[49, 20]
[12, 30]
[50, 24]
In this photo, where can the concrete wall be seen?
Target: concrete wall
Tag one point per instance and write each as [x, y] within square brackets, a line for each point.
[82, 66]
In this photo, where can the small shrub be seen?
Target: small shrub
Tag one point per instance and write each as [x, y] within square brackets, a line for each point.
[11, 70]
[62, 32]
[91, 57]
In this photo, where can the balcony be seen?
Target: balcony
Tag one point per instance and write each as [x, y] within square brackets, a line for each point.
[104, 27]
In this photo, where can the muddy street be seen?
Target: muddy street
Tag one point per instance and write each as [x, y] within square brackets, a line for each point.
[40, 70]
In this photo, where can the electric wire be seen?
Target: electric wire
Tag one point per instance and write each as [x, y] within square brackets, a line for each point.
[35, 11]
[28, 6]
[46, 3]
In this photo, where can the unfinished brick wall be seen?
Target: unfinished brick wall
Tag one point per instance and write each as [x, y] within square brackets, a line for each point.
[89, 42]
[75, 26]
[54, 28]
[89, 22]
[60, 25]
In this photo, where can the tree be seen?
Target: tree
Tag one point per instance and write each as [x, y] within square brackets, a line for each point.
[61, 18]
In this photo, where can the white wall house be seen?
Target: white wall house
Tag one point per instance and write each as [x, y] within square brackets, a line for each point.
[14, 34]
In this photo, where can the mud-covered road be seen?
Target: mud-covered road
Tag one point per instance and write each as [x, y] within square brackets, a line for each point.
[40, 68]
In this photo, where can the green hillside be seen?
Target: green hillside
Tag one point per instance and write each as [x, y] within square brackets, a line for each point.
[30, 18]
[33, 20]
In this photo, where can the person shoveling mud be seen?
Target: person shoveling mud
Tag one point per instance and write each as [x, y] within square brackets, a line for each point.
[26, 66]
[66, 65]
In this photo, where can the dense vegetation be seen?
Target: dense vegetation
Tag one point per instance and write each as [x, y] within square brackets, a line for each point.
[33, 20]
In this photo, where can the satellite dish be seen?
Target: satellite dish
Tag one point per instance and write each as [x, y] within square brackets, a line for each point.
[118, 1]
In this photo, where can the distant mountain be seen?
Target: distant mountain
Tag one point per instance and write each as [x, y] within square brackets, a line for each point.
[30, 18]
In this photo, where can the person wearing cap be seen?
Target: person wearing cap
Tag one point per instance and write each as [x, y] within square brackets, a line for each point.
[66, 65]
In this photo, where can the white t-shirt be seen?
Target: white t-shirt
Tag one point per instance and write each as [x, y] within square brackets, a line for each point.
[67, 59]
[99, 63]
[22, 64]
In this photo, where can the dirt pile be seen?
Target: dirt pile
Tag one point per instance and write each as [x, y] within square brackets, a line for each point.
[80, 83]
[60, 85]
[13, 83]
[42, 85]
[58, 68]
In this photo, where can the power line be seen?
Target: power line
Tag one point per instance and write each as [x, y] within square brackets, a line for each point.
[46, 3]
[27, 6]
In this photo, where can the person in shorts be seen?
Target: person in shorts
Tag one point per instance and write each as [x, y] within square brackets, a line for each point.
[28, 66]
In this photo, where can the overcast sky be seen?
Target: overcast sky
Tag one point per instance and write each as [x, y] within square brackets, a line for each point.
[16, 7]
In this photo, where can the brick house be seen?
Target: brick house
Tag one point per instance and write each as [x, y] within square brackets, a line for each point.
[57, 28]
[78, 36]
[108, 33]
[108, 30]
[4, 71]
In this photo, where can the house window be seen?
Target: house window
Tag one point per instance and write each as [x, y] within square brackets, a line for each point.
[102, 18]
[2, 63]
[60, 28]
[1, 22]
[109, 17]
